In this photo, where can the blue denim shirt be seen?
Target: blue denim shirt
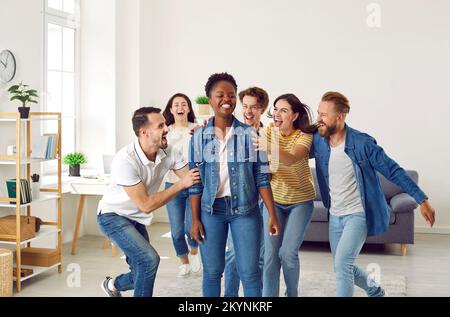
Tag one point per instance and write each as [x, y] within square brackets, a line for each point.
[368, 158]
[248, 169]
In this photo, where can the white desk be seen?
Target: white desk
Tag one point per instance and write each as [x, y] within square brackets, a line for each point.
[87, 187]
[84, 187]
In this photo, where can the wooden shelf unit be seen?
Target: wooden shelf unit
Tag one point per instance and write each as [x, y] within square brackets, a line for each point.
[52, 194]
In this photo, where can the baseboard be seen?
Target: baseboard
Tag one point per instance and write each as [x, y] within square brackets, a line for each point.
[160, 220]
[435, 230]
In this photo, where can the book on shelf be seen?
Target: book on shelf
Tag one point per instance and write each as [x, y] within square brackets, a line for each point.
[45, 147]
[25, 191]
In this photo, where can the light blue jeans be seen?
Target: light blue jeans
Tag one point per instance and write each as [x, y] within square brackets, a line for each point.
[232, 279]
[132, 238]
[347, 237]
[246, 234]
[179, 211]
[282, 251]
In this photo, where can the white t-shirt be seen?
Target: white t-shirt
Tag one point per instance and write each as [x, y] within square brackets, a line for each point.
[179, 138]
[344, 192]
[131, 167]
[224, 177]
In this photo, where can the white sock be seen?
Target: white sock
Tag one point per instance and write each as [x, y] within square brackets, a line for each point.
[111, 285]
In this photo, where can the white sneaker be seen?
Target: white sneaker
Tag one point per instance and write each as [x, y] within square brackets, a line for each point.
[195, 262]
[184, 270]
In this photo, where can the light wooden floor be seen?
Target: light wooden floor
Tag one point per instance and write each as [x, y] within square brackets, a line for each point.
[426, 266]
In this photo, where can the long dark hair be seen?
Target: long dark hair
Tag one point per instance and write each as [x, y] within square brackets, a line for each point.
[303, 122]
[169, 116]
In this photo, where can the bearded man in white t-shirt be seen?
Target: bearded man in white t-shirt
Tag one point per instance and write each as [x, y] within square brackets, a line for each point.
[126, 209]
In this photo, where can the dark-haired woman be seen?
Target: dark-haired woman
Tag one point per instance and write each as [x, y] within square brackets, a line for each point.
[180, 119]
[233, 176]
[288, 147]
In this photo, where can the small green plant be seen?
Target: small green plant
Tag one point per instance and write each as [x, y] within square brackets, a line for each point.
[75, 159]
[22, 93]
[202, 100]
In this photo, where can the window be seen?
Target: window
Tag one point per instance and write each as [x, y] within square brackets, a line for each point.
[62, 6]
[61, 68]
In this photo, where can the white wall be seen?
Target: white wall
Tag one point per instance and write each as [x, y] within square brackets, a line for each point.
[128, 68]
[110, 75]
[396, 76]
[98, 80]
[110, 66]
[24, 37]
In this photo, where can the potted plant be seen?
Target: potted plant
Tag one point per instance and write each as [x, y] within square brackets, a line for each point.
[74, 160]
[203, 106]
[25, 95]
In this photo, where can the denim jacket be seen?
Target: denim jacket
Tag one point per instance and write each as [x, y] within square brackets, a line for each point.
[368, 158]
[248, 169]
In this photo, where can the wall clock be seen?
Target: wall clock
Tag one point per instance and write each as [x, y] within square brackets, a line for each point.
[7, 66]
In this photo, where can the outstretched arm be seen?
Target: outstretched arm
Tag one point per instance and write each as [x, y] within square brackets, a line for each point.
[396, 174]
[149, 203]
[298, 152]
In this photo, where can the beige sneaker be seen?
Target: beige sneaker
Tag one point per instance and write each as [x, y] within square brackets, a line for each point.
[195, 262]
[184, 270]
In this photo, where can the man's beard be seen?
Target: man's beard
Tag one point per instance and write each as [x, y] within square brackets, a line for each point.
[164, 143]
[327, 131]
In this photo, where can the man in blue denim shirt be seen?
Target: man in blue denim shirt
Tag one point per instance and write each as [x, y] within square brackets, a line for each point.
[347, 162]
[233, 176]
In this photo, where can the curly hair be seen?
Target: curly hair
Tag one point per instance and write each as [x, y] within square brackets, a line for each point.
[215, 78]
[259, 93]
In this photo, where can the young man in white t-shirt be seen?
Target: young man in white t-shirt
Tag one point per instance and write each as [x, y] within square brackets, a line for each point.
[126, 209]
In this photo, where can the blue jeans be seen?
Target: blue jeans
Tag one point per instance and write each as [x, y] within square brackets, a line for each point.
[347, 237]
[282, 251]
[232, 279]
[246, 234]
[179, 211]
[132, 238]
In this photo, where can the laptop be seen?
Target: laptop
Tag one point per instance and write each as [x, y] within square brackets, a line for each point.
[107, 162]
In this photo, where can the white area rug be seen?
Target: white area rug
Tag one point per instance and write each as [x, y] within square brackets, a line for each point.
[312, 284]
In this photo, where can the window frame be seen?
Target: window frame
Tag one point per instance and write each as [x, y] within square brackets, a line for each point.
[64, 19]
[63, 14]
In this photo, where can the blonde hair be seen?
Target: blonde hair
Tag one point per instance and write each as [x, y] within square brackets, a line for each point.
[341, 103]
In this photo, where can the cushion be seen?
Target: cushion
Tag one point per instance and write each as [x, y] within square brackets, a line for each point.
[316, 185]
[403, 203]
[390, 189]
[320, 213]
[392, 217]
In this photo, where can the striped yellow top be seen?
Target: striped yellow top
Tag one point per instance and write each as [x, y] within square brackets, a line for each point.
[290, 184]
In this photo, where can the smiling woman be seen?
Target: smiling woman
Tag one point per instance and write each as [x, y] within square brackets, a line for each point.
[180, 118]
[233, 176]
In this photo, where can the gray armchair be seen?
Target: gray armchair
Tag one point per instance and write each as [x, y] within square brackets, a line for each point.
[401, 206]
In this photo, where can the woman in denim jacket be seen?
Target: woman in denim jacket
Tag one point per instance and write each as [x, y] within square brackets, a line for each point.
[233, 176]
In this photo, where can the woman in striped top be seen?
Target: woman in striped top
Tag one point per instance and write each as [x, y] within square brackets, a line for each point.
[288, 146]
